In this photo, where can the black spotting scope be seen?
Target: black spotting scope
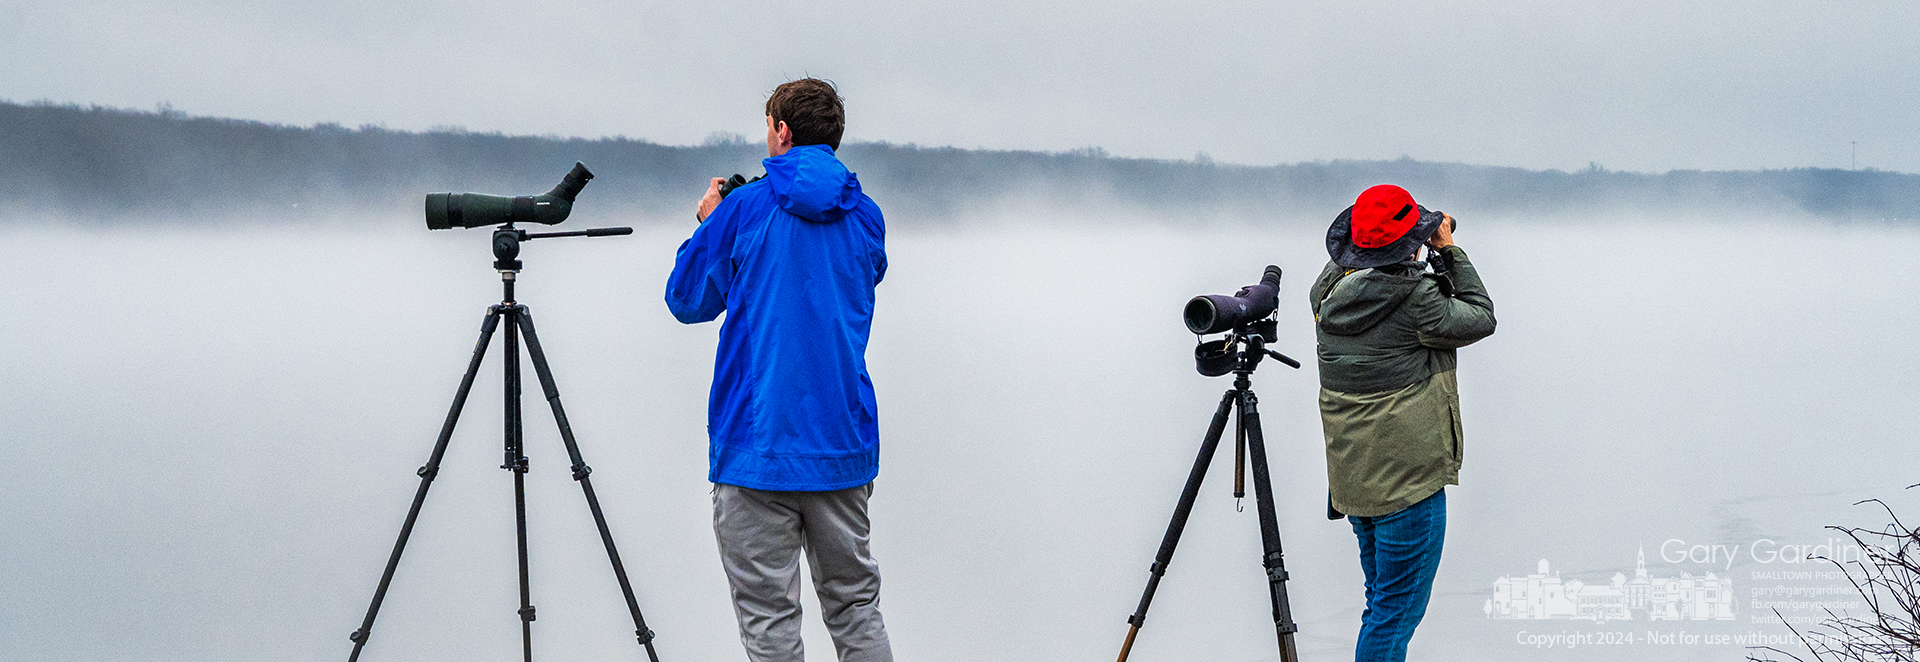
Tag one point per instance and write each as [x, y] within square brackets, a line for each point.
[1214, 313]
[446, 211]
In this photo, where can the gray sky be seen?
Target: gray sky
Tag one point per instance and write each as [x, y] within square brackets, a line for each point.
[1640, 85]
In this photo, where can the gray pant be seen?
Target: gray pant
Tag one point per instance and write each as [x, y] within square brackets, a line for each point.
[761, 535]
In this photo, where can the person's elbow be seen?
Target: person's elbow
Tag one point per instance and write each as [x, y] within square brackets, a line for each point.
[688, 316]
[1445, 342]
[1455, 336]
[691, 313]
[692, 308]
[1485, 325]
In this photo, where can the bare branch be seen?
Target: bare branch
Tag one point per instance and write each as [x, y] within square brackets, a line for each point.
[1887, 580]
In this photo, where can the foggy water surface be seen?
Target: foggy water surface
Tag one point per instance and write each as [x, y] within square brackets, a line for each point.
[212, 437]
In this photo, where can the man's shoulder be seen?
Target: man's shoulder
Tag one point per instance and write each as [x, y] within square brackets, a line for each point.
[869, 207]
[867, 213]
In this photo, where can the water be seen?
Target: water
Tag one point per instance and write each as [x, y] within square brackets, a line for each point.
[212, 436]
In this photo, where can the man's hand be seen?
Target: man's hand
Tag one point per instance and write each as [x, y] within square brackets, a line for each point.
[710, 200]
[1443, 235]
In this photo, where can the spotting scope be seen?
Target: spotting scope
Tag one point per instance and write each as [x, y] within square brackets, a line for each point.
[446, 211]
[1214, 313]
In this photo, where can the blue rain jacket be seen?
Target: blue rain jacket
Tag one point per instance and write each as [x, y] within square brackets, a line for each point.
[793, 260]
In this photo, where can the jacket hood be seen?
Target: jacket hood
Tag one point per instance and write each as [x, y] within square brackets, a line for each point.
[1364, 297]
[810, 183]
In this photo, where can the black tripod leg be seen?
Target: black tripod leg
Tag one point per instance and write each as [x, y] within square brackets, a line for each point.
[427, 474]
[1179, 523]
[580, 473]
[1239, 458]
[516, 462]
[1273, 560]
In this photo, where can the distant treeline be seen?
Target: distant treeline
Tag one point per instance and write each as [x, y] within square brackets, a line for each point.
[96, 164]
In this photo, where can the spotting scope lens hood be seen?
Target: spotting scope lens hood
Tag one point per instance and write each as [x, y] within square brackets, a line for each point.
[446, 211]
[1216, 313]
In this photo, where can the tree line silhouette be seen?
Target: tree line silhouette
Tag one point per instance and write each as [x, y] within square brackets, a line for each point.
[110, 165]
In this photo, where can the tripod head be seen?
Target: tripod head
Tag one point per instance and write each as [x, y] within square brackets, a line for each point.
[506, 243]
[506, 249]
[1240, 351]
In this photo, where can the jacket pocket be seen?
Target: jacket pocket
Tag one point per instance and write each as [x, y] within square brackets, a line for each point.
[1457, 437]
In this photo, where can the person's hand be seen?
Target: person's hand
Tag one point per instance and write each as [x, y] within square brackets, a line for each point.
[1443, 235]
[710, 200]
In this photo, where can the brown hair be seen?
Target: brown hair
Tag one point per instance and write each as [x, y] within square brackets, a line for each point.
[811, 108]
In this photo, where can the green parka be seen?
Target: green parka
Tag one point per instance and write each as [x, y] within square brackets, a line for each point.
[1389, 405]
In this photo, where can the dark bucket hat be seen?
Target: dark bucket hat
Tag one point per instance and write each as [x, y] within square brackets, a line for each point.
[1382, 234]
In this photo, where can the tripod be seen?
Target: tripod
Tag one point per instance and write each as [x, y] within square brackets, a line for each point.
[506, 247]
[1215, 359]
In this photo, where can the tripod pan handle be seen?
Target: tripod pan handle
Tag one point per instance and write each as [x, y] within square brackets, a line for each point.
[1283, 359]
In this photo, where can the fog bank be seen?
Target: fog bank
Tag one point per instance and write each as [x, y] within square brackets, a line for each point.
[214, 435]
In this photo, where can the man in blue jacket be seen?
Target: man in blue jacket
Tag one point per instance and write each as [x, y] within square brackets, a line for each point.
[793, 430]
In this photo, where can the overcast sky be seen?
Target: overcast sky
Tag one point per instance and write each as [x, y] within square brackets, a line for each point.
[1642, 85]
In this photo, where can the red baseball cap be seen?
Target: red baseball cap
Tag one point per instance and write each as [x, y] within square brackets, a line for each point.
[1382, 215]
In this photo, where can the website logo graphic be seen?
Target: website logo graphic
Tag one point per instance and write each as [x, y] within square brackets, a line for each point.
[1545, 596]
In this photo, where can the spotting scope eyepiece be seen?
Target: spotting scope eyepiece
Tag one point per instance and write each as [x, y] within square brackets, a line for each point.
[1215, 313]
[446, 211]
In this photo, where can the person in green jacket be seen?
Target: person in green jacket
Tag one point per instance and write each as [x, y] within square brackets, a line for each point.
[1389, 404]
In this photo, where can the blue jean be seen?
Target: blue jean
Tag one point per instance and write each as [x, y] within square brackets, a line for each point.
[1400, 553]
